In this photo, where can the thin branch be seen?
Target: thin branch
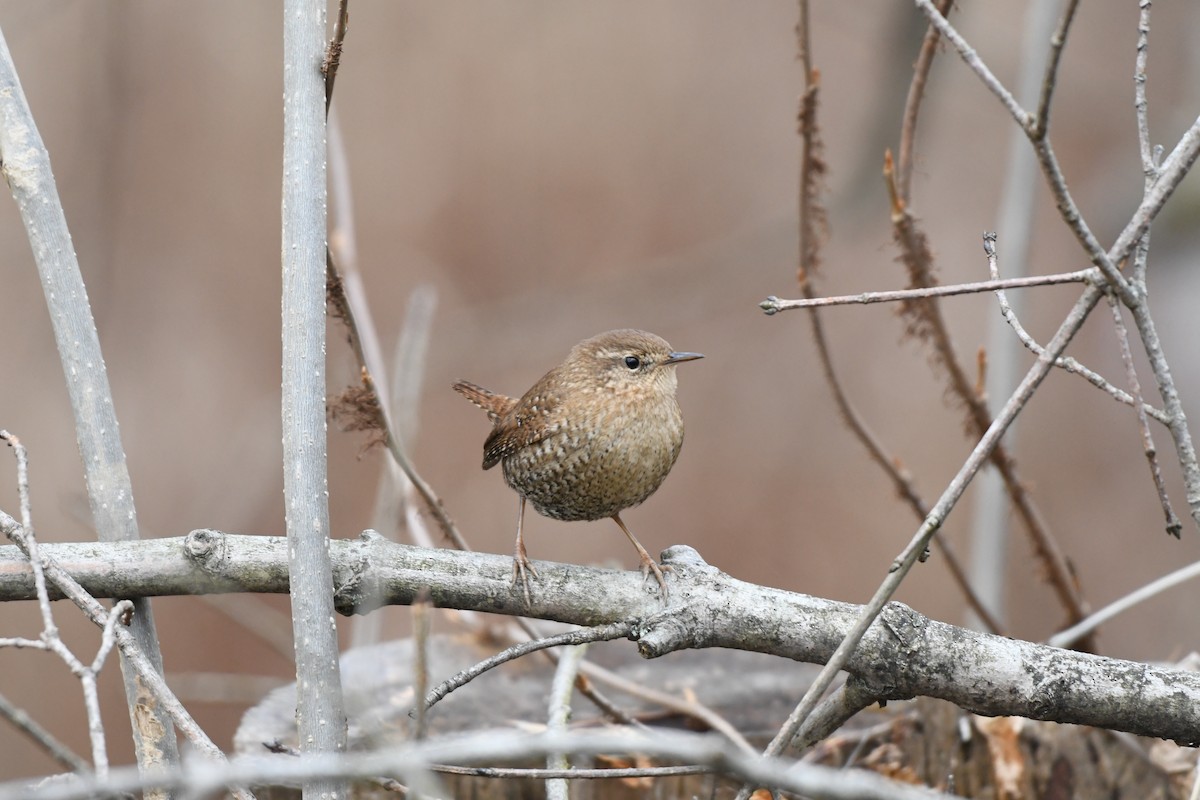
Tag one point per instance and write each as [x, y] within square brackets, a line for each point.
[42, 737]
[1140, 105]
[834, 711]
[1041, 122]
[1174, 527]
[813, 221]
[990, 523]
[1066, 363]
[912, 105]
[594, 672]
[773, 305]
[1068, 637]
[346, 311]
[395, 447]
[604, 633]
[333, 51]
[1172, 405]
[571, 774]
[26, 167]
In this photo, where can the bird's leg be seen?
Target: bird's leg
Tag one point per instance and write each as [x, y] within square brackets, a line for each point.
[521, 561]
[648, 564]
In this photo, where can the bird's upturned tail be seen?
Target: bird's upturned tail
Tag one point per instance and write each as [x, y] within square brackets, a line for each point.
[496, 405]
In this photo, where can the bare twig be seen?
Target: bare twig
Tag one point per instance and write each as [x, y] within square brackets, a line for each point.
[1140, 105]
[1066, 363]
[833, 712]
[1174, 527]
[1041, 121]
[603, 633]
[349, 315]
[773, 305]
[1172, 405]
[42, 737]
[812, 217]
[571, 774]
[333, 51]
[912, 105]
[395, 446]
[1160, 182]
[50, 640]
[684, 707]
[151, 680]
[1066, 638]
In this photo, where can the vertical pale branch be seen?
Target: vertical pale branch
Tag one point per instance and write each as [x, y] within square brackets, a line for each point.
[320, 716]
[26, 166]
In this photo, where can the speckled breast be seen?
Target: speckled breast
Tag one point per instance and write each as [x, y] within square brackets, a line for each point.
[594, 468]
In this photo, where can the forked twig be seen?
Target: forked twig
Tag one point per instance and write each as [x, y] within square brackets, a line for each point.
[1066, 363]
[113, 622]
[1174, 527]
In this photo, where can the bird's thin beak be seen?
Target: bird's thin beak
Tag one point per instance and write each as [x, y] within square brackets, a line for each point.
[676, 358]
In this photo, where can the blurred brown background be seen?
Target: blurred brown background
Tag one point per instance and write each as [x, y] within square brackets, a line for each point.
[554, 170]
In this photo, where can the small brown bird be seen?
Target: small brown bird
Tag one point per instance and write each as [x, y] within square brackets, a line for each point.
[595, 436]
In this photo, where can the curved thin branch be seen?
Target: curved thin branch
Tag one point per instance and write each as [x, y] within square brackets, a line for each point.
[603, 633]
[912, 105]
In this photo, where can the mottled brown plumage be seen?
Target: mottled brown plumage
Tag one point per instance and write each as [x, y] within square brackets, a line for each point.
[595, 436]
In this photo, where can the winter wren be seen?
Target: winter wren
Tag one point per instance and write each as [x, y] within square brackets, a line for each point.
[595, 436]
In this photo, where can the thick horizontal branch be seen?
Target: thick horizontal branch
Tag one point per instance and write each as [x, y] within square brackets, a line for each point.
[903, 655]
[773, 305]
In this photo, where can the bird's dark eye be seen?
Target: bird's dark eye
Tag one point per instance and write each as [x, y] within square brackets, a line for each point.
[633, 362]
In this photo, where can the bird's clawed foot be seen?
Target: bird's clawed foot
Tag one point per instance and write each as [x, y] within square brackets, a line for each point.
[522, 569]
[649, 565]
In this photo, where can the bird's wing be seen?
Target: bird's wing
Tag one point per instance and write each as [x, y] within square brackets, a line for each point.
[530, 420]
